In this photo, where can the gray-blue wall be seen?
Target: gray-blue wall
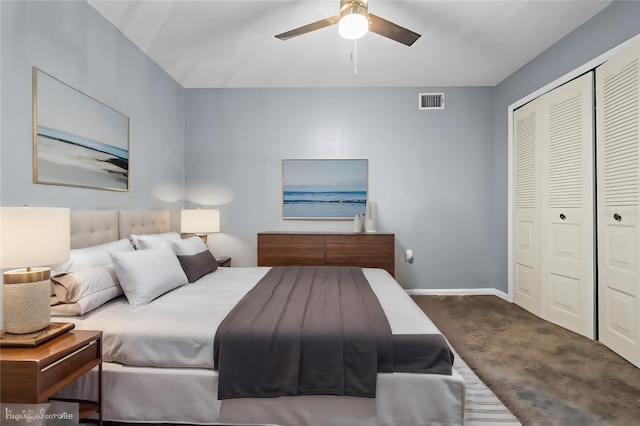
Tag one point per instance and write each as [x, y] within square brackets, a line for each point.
[74, 43]
[429, 171]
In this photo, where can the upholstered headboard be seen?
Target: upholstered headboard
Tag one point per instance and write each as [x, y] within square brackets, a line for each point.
[142, 222]
[91, 227]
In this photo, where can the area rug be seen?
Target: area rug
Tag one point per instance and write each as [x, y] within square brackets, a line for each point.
[482, 407]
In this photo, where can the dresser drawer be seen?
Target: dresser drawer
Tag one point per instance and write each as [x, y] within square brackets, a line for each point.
[365, 251]
[286, 249]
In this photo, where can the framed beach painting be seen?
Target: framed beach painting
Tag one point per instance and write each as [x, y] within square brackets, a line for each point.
[324, 189]
[77, 140]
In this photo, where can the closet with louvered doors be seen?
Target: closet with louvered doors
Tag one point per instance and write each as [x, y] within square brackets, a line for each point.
[618, 212]
[554, 206]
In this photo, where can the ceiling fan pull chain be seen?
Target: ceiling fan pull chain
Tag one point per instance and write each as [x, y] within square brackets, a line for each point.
[355, 57]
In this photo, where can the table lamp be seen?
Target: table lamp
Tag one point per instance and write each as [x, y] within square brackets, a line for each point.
[200, 222]
[31, 238]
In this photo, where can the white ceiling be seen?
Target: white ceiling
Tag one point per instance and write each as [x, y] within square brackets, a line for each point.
[231, 43]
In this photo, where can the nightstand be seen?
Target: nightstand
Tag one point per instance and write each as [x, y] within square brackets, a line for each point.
[223, 261]
[31, 375]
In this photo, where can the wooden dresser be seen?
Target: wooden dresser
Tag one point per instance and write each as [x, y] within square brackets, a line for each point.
[334, 249]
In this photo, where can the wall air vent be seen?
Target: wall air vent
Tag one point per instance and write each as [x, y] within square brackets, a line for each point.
[431, 101]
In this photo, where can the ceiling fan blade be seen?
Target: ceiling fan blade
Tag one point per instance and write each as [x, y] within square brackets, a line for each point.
[390, 30]
[308, 28]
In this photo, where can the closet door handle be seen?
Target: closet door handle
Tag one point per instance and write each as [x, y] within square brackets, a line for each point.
[562, 216]
[617, 217]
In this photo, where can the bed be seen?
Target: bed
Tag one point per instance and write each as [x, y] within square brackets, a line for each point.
[158, 360]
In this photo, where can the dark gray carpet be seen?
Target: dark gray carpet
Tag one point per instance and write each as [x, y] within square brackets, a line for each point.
[545, 374]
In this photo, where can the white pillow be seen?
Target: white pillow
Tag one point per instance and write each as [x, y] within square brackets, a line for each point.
[149, 241]
[188, 246]
[87, 303]
[70, 288]
[146, 274]
[90, 257]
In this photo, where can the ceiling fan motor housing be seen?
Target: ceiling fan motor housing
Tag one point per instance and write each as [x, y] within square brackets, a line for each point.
[358, 7]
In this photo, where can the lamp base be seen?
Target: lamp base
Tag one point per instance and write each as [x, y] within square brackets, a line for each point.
[26, 300]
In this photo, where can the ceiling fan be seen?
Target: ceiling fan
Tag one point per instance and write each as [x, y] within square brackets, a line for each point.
[354, 20]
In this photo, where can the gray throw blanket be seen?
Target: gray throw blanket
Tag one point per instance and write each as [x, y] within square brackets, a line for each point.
[307, 330]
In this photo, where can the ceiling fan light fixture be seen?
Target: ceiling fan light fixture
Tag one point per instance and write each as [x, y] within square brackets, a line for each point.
[353, 22]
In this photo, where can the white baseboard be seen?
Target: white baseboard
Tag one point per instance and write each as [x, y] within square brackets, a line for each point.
[458, 292]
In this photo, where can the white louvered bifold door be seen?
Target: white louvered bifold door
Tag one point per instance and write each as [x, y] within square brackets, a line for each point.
[526, 232]
[567, 224]
[618, 181]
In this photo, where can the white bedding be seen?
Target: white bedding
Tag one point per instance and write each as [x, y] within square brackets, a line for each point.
[177, 330]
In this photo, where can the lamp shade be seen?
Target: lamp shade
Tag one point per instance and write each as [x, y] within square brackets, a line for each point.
[200, 221]
[33, 236]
